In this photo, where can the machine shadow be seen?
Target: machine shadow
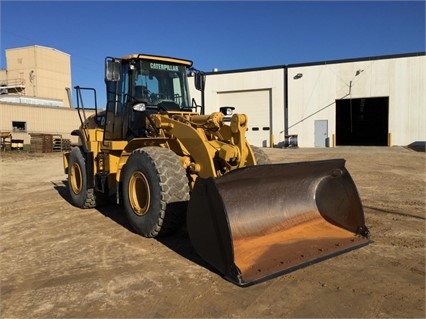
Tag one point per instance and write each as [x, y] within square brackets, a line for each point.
[179, 242]
[112, 211]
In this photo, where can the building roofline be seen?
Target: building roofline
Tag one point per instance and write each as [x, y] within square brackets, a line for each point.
[294, 65]
[368, 58]
[38, 46]
[262, 68]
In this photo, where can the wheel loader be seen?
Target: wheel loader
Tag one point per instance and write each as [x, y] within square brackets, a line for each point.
[168, 164]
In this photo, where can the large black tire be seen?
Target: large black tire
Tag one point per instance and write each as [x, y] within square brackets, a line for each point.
[155, 191]
[260, 156]
[81, 196]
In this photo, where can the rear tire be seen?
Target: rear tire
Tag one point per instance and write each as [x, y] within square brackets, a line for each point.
[77, 181]
[260, 156]
[155, 191]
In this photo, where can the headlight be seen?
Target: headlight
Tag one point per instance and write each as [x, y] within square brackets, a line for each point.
[227, 110]
[139, 107]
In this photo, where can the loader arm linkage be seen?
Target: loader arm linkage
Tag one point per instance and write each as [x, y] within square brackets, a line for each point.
[214, 148]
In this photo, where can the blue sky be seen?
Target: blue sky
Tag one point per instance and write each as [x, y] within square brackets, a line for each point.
[221, 34]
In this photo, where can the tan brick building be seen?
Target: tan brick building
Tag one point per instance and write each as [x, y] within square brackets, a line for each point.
[37, 71]
[35, 94]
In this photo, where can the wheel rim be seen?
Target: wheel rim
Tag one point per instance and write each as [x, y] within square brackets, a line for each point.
[139, 193]
[76, 178]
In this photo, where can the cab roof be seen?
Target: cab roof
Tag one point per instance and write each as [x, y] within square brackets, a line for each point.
[157, 58]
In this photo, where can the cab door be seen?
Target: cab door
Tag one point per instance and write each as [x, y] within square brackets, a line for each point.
[116, 123]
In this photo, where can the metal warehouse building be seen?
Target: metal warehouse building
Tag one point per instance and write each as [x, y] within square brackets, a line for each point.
[373, 101]
[378, 101]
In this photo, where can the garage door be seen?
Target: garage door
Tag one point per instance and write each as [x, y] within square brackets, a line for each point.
[256, 105]
[363, 121]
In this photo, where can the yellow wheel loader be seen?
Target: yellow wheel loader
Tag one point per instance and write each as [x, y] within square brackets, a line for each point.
[155, 150]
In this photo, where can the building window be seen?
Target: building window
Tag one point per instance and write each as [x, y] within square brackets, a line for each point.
[19, 126]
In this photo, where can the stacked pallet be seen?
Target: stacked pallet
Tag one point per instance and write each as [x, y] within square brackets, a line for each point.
[41, 143]
[57, 143]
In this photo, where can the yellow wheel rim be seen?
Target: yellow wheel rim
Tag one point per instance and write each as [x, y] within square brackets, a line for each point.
[139, 193]
[76, 178]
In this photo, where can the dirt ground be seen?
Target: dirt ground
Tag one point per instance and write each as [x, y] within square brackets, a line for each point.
[61, 261]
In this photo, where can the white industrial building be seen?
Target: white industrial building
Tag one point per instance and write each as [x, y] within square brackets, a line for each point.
[375, 101]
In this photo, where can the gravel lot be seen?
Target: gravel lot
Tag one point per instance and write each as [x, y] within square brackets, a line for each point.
[61, 261]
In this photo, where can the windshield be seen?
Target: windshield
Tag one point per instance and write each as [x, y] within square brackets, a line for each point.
[155, 82]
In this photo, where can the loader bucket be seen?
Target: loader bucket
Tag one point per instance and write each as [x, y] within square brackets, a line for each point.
[259, 222]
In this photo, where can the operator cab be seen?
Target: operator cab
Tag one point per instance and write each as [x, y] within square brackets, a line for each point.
[139, 85]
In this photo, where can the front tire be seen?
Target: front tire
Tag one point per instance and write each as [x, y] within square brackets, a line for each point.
[155, 191]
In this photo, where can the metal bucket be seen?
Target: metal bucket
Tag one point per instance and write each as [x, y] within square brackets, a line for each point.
[262, 221]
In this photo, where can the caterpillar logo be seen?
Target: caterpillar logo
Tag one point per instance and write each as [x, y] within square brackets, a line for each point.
[165, 67]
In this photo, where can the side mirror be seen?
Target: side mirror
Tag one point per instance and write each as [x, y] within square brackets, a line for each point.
[199, 80]
[112, 71]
